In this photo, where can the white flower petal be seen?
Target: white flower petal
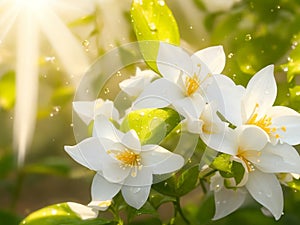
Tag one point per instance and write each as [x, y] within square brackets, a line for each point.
[103, 128]
[84, 212]
[106, 108]
[136, 84]
[89, 153]
[115, 172]
[191, 124]
[227, 97]
[288, 128]
[281, 158]
[200, 69]
[172, 61]
[131, 140]
[227, 201]
[160, 160]
[261, 90]
[214, 57]
[251, 137]
[225, 141]
[85, 110]
[160, 93]
[103, 190]
[143, 177]
[277, 111]
[136, 196]
[193, 105]
[266, 189]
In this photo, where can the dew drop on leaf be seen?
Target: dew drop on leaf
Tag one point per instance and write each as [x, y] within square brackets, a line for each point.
[106, 91]
[161, 2]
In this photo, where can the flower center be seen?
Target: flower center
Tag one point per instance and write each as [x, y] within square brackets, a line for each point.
[129, 159]
[264, 123]
[192, 84]
[243, 156]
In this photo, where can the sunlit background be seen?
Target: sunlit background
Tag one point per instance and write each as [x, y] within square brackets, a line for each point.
[46, 46]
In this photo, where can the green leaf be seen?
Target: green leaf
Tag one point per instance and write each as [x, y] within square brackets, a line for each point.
[179, 184]
[151, 125]
[66, 214]
[7, 90]
[153, 21]
[146, 209]
[237, 171]
[222, 163]
[157, 199]
[229, 168]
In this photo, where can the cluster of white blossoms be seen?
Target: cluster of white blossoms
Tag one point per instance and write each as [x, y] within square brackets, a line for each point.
[240, 124]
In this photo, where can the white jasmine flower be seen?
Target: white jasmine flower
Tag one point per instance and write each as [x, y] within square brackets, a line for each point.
[122, 163]
[254, 105]
[136, 84]
[249, 145]
[89, 110]
[205, 122]
[185, 77]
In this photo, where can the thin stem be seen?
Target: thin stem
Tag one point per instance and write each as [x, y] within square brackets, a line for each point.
[17, 189]
[116, 215]
[179, 210]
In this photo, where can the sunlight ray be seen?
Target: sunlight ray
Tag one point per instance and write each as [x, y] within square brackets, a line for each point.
[27, 82]
[68, 49]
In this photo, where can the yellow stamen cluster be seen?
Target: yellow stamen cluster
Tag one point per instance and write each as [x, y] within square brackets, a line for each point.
[264, 123]
[129, 159]
[192, 84]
